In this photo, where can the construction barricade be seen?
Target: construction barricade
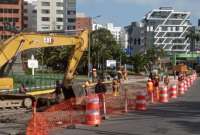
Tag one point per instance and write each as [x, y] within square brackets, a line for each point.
[173, 91]
[93, 110]
[163, 94]
[181, 87]
[141, 103]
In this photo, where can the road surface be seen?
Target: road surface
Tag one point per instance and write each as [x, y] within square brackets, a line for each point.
[178, 117]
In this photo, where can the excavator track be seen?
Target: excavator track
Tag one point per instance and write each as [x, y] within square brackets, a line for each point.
[9, 101]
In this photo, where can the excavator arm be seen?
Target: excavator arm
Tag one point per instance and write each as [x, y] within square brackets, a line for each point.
[25, 41]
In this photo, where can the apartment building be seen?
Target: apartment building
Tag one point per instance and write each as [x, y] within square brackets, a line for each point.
[11, 18]
[56, 15]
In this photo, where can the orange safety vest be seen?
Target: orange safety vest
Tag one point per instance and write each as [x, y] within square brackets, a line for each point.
[150, 87]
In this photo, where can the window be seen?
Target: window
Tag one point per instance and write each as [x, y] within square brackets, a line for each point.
[45, 27]
[59, 4]
[139, 41]
[15, 10]
[71, 12]
[71, 20]
[25, 11]
[45, 3]
[59, 19]
[34, 11]
[16, 19]
[71, 27]
[45, 19]
[25, 17]
[45, 11]
[59, 27]
[59, 12]
[135, 41]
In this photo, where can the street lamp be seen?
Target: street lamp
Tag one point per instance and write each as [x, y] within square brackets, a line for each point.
[89, 46]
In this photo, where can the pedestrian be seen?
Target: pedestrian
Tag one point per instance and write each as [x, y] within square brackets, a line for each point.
[100, 87]
[58, 91]
[22, 89]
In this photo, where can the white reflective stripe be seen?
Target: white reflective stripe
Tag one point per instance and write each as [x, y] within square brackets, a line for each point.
[163, 95]
[140, 101]
[173, 92]
[93, 100]
[93, 112]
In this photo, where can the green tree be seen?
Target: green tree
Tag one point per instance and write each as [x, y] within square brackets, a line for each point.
[104, 47]
[139, 61]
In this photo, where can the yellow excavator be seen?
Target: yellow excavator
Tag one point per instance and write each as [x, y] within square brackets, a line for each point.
[24, 41]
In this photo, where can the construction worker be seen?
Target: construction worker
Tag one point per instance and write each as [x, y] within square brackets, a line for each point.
[119, 74]
[115, 86]
[125, 74]
[150, 89]
[156, 87]
[94, 75]
[86, 87]
[166, 80]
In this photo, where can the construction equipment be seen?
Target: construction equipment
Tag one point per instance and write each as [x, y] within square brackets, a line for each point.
[24, 41]
[181, 68]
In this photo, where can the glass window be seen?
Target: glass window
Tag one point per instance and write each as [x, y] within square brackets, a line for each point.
[71, 20]
[45, 3]
[15, 10]
[45, 11]
[45, 19]
[71, 12]
[59, 4]
[59, 12]
[59, 19]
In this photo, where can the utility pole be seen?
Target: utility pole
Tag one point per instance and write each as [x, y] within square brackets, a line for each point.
[89, 48]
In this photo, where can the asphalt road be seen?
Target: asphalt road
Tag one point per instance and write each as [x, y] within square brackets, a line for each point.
[178, 117]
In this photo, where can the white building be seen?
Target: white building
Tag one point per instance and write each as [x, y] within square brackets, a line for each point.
[115, 31]
[164, 27]
[56, 15]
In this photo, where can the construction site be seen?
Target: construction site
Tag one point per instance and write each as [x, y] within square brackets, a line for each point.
[55, 79]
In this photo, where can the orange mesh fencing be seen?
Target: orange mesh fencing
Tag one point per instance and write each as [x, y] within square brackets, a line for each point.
[69, 112]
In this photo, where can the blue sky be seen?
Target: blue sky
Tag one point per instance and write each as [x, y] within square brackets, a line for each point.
[123, 12]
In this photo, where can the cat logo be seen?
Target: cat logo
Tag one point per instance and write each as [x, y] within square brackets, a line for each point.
[48, 40]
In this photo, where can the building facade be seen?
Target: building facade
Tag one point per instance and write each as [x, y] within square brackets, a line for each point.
[115, 31]
[56, 15]
[30, 15]
[164, 28]
[83, 22]
[11, 18]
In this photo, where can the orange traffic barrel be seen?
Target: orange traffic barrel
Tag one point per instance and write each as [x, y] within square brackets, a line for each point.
[182, 88]
[141, 103]
[93, 117]
[185, 85]
[188, 82]
[163, 94]
[173, 91]
[191, 80]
